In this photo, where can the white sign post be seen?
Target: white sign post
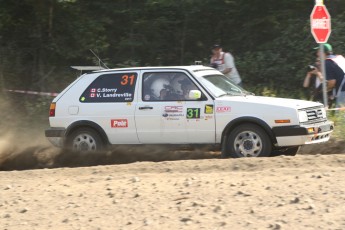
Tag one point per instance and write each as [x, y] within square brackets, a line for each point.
[320, 22]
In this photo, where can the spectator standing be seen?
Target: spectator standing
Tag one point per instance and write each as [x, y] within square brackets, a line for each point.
[313, 81]
[335, 71]
[224, 62]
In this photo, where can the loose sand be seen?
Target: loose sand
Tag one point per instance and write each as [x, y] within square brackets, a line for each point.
[302, 192]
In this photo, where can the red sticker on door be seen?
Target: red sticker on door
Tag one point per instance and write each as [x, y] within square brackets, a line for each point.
[119, 123]
[223, 109]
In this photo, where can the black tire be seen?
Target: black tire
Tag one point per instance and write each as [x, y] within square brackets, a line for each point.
[290, 151]
[247, 140]
[85, 140]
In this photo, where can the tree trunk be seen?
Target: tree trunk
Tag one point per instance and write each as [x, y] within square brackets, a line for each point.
[183, 35]
[50, 20]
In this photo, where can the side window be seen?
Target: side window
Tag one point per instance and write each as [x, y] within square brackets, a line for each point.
[118, 87]
[167, 86]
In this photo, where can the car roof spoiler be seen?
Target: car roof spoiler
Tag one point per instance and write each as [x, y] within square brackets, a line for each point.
[84, 69]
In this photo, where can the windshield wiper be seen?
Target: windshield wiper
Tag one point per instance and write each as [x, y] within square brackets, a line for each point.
[242, 93]
[225, 94]
[229, 94]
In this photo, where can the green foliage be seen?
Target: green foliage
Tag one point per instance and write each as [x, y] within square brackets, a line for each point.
[271, 40]
[338, 117]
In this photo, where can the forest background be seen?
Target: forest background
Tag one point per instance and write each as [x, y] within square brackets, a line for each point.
[270, 40]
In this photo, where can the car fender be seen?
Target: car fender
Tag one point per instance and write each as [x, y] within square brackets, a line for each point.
[90, 124]
[247, 119]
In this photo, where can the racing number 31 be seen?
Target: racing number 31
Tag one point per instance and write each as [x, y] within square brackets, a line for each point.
[126, 80]
[193, 113]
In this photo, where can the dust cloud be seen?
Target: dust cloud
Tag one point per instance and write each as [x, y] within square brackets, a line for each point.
[23, 145]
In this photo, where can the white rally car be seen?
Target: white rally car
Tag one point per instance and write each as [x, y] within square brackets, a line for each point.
[178, 106]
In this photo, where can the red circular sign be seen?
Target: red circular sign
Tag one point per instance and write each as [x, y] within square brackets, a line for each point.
[320, 21]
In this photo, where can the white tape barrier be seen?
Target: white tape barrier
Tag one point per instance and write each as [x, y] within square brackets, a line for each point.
[55, 94]
[337, 109]
[33, 92]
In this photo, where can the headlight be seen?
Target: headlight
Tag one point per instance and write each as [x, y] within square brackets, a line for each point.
[324, 114]
[303, 117]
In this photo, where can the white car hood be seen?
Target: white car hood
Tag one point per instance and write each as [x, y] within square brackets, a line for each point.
[281, 102]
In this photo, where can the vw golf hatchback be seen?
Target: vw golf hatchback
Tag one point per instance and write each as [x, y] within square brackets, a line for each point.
[194, 105]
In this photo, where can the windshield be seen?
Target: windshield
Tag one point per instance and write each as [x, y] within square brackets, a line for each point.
[219, 85]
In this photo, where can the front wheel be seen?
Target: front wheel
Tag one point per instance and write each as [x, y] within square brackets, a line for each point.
[85, 140]
[247, 140]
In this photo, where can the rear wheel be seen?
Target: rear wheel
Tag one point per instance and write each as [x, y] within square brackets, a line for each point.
[247, 140]
[85, 140]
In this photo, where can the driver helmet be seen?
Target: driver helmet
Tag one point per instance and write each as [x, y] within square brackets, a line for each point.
[157, 86]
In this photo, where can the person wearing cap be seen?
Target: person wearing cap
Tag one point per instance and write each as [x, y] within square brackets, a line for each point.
[224, 62]
[335, 71]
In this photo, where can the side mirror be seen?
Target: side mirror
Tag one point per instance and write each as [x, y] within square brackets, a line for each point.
[194, 94]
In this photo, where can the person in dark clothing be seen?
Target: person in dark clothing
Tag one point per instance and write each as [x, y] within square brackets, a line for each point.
[335, 71]
[313, 81]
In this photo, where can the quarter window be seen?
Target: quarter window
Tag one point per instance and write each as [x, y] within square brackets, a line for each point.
[118, 87]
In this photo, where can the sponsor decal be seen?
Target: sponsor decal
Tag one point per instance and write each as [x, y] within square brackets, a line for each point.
[119, 123]
[173, 113]
[208, 117]
[176, 115]
[193, 113]
[208, 109]
[223, 109]
[173, 119]
[173, 109]
[147, 97]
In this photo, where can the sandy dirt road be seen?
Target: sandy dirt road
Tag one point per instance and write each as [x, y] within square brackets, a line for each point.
[302, 192]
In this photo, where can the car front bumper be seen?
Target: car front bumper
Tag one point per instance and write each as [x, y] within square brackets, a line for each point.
[56, 136]
[303, 134]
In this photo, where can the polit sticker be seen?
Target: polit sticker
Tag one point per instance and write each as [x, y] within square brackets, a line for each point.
[119, 123]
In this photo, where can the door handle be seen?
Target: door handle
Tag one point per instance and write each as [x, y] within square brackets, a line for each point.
[145, 107]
